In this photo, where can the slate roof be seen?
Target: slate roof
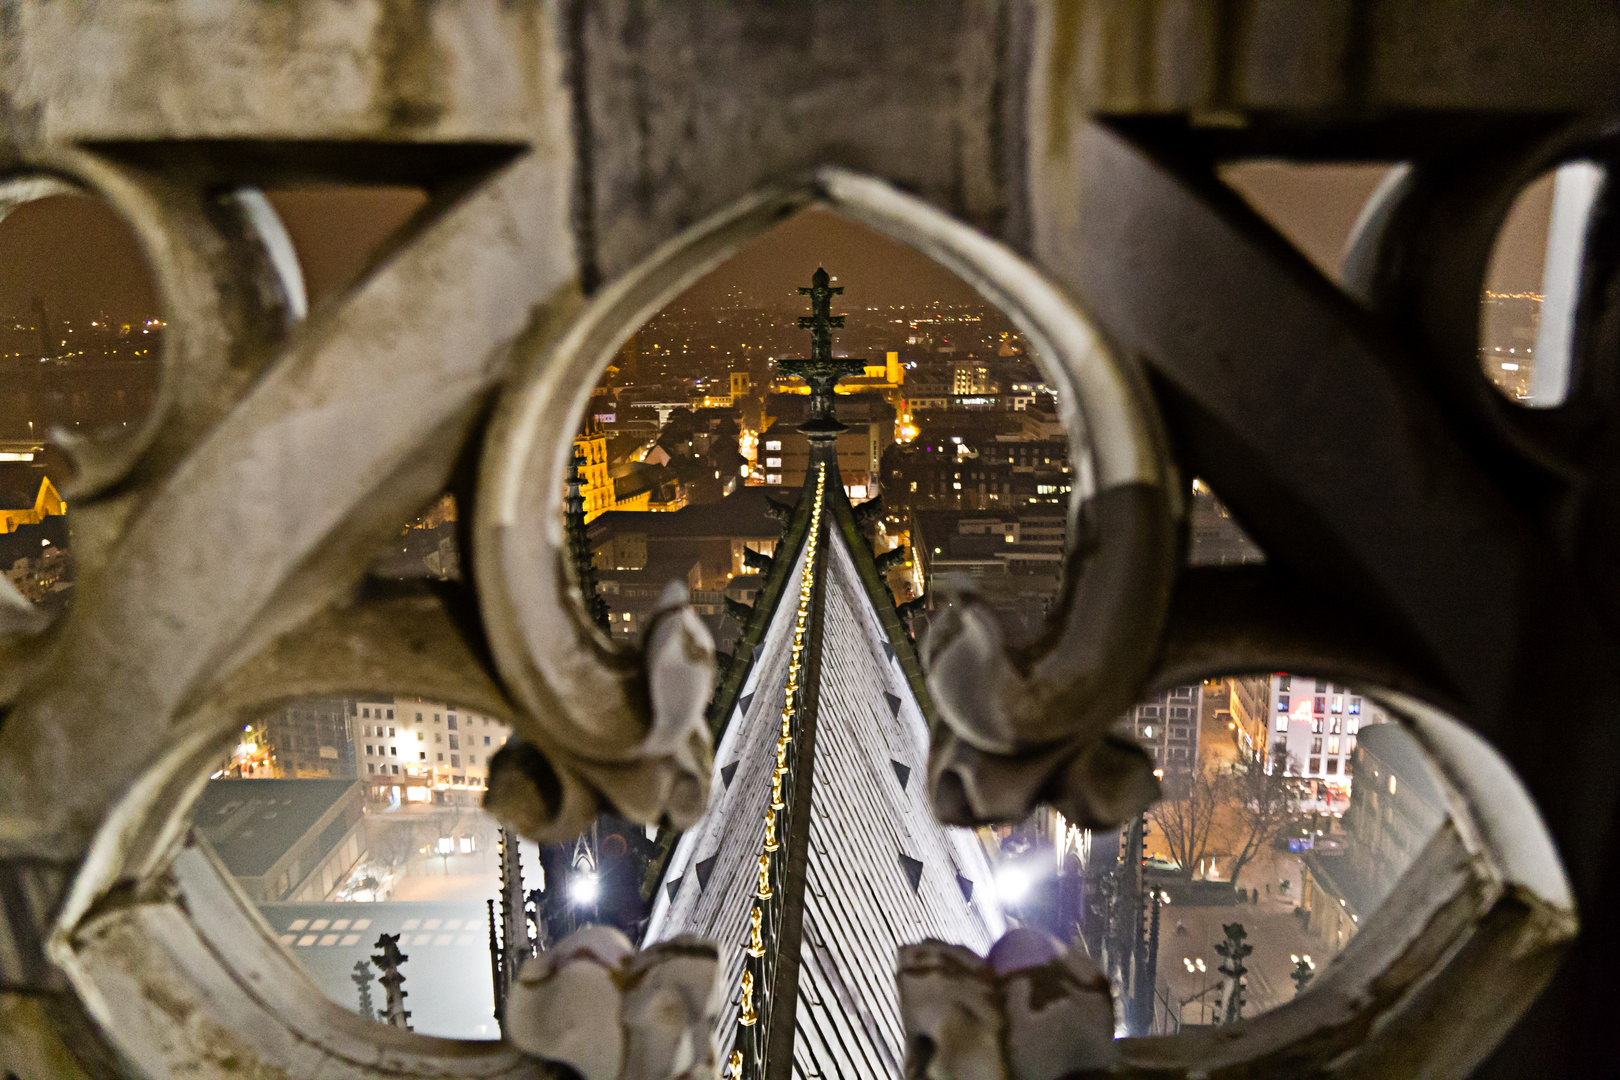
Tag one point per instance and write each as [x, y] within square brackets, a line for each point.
[882, 871]
[252, 823]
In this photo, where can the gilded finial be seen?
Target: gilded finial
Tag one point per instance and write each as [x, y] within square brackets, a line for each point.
[734, 1066]
[776, 791]
[756, 941]
[748, 1017]
[770, 831]
[764, 891]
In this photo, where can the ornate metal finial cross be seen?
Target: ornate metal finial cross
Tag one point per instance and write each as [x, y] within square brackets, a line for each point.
[821, 369]
[819, 322]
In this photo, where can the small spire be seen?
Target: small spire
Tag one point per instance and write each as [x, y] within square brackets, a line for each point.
[393, 980]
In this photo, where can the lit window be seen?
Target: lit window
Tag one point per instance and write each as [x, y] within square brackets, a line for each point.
[625, 616]
[1392, 783]
[1282, 722]
[1355, 706]
[1333, 745]
[1282, 703]
[773, 445]
[773, 463]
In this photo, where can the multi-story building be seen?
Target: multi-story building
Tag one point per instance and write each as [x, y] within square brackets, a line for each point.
[870, 431]
[968, 377]
[595, 485]
[422, 751]
[283, 840]
[311, 739]
[1315, 724]
[1167, 725]
[1397, 805]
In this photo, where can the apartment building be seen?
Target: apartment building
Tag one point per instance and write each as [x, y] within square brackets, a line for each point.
[421, 751]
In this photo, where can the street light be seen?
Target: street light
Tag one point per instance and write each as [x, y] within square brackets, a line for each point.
[583, 889]
[1012, 883]
[446, 844]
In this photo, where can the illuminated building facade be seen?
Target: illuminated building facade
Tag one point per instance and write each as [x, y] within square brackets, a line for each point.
[417, 751]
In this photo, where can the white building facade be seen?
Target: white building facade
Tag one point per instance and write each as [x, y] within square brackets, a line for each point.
[1314, 726]
[418, 751]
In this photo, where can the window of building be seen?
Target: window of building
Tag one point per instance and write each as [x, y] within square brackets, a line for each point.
[366, 713]
[421, 736]
[1337, 722]
[455, 761]
[1320, 705]
[390, 714]
[390, 733]
[453, 744]
[1316, 765]
[368, 749]
[1355, 706]
[1282, 721]
[1282, 702]
[486, 740]
[1338, 703]
[773, 463]
[422, 755]
[441, 757]
[1351, 727]
[773, 445]
[1316, 745]
[418, 718]
[396, 770]
[1283, 681]
[1333, 745]
[435, 718]
[370, 768]
[393, 751]
[1332, 765]
[1316, 726]
[450, 721]
[1321, 687]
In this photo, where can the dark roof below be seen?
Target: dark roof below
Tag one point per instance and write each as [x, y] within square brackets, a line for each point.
[252, 823]
[742, 513]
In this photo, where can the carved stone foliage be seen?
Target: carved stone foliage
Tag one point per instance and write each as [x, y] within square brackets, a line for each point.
[584, 163]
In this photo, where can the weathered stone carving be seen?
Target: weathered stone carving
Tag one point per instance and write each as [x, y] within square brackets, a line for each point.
[1029, 1011]
[224, 542]
[563, 1006]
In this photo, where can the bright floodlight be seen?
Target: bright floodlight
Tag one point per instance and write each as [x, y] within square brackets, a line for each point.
[582, 889]
[1012, 883]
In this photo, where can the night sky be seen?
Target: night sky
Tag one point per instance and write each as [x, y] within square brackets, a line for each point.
[77, 256]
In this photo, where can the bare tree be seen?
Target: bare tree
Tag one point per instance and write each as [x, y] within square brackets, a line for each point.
[1186, 823]
[1262, 807]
